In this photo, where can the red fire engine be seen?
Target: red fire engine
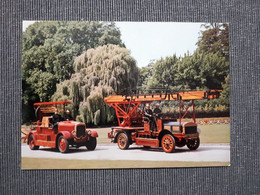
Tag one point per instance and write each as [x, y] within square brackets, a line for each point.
[67, 132]
[168, 132]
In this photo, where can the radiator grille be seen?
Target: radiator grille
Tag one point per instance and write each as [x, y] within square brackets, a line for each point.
[80, 131]
[190, 129]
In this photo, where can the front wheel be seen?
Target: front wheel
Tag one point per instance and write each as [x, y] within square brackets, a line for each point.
[63, 144]
[168, 143]
[92, 143]
[31, 143]
[193, 144]
[123, 141]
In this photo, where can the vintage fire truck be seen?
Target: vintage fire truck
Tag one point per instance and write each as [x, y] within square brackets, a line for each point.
[67, 132]
[168, 132]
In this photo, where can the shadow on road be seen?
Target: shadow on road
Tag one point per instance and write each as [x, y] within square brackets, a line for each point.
[71, 150]
[177, 149]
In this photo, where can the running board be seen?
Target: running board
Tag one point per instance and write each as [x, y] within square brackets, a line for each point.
[147, 142]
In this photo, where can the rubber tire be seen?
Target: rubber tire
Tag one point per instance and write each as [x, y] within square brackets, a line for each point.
[193, 144]
[147, 147]
[181, 144]
[31, 142]
[91, 143]
[166, 140]
[65, 148]
[123, 141]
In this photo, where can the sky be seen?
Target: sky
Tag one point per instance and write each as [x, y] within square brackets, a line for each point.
[149, 41]
[153, 40]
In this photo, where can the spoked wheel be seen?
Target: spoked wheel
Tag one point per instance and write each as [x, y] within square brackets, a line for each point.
[181, 143]
[168, 143]
[92, 143]
[123, 141]
[63, 144]
[31, 143]
[193, 144]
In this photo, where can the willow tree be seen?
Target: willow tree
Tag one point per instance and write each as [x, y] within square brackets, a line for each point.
[48, 53]
[99, 72]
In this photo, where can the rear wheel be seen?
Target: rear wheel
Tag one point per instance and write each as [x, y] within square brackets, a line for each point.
[63, 144]
[168, 143]
[91, 143]
[31, 142]
[123, 141]
[193, 144]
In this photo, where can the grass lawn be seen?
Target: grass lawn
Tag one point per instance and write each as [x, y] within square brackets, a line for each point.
[45, 163]
[216, 133]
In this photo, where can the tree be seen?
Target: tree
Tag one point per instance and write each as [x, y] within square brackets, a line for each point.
[215, 39]
[202, 71]
[145, 73]
[48, 52]
[162, 72]
[99, 72]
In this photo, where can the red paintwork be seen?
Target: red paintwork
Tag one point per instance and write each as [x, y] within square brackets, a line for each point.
[130, 117]
[51, 103]
[94, 134]
[45, 135]
[62, 144]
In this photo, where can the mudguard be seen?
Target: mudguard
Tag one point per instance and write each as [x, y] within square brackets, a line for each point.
[93, 133]
[66, 134]
[27, 136]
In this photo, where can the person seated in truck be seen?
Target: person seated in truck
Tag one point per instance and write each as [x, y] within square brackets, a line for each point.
[55, 119]
[149, 114]
[67, 116]
[157, 111]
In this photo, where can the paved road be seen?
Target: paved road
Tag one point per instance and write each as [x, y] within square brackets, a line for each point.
[206, 152]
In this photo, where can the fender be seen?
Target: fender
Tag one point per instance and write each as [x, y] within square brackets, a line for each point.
[27, 136]
[66, 134]
[93, 133]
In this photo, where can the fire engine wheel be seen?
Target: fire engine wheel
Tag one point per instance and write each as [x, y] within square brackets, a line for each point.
[181, 143]
[147, 147]
[63, 144]
[168, 143]
[31, 143]
[193, 144]
[123, 141]
[92, 143]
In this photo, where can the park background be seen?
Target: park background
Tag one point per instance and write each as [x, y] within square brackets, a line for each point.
[86, 61]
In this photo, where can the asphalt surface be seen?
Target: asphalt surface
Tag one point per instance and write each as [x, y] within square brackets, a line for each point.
[206, 152]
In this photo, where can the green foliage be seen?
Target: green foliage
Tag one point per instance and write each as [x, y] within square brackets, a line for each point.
[201, 70]
[206, 68]
[145, 73]
[215, 39]
[48, 52]
[98, 73]
[164, 72]
[97, 117]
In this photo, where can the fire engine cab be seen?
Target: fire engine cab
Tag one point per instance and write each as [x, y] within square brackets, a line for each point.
[61, 134]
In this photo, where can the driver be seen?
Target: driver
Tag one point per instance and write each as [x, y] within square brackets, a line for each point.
[149, 113]
[67, 116]
[157, 111]
[55, 119]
